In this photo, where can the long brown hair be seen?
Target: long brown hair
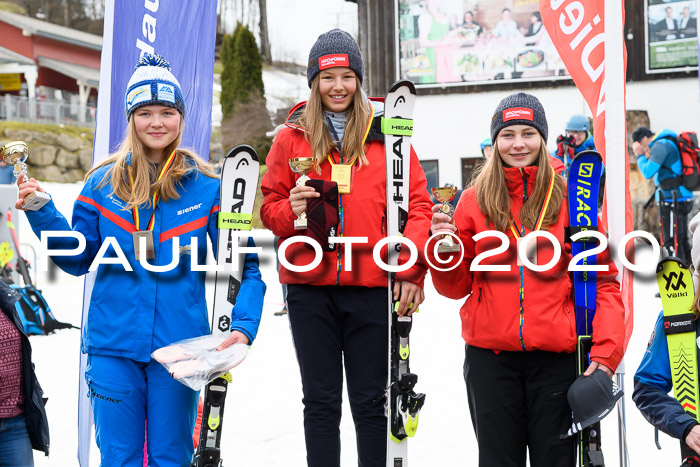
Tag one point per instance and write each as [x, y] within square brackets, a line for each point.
[145, 172]
[494, 202]
[312, 120]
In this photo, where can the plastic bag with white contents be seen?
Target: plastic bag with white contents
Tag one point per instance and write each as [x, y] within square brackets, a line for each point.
[195, 362]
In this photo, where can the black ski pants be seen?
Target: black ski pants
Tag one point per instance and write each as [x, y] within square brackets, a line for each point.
[334, 327]
[517, 402]
[674, 228]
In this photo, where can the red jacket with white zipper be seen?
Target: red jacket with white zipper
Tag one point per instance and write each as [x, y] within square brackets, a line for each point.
[362, 213]
[492, 316]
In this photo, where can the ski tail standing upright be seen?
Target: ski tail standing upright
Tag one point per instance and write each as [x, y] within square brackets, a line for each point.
[239, 182]
[584, 182]
[145, 214]
[403, 403]
[326, 178]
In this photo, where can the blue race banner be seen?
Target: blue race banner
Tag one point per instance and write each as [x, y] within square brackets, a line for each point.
[182, 32]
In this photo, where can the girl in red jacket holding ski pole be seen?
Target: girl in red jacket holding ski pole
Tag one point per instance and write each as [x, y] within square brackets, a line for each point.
[519, 324]
[338, 309]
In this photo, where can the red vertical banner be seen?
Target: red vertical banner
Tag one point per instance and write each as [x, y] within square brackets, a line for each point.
[594, 53]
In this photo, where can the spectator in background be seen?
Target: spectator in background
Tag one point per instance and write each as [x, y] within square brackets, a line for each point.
[578, 137]
[6, 174]
[658, 157]
[486, 148]
[23, 422]
[687, 26]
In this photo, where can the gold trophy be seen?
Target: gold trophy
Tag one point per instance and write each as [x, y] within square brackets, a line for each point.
[15, 153]
[302, 165]
[445, 194]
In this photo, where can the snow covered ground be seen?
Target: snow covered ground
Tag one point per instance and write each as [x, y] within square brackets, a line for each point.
[263, 425]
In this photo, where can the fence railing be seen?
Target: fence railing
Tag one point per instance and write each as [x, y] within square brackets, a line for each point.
[46, 111]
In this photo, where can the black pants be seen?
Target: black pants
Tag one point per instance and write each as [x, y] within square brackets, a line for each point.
[332, 326]
[517, 401]
[675, 224]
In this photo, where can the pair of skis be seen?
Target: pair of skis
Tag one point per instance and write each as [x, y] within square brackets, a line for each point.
[239, 182]
[403, 403]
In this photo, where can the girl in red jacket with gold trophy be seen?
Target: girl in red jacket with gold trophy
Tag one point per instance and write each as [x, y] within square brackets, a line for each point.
[519, 324]
[338, 309]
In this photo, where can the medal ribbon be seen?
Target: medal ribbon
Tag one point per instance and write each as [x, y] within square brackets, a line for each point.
[543, 210]
[134, 210]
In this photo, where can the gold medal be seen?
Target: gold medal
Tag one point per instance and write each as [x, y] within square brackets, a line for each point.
[148, 235]
[342, 174]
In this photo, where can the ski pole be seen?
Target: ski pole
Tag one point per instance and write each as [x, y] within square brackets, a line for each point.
[622, 423]
[674, 211]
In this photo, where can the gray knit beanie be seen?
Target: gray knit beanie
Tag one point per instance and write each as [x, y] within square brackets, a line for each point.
[335, 48]
[519, 109]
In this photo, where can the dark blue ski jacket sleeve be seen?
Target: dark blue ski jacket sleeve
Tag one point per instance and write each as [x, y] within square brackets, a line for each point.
[652, 384]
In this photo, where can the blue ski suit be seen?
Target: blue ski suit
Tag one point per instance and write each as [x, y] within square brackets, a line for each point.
[652, 384]
[133, 313]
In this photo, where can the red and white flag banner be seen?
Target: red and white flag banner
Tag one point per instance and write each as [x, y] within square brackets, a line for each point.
[589, 36]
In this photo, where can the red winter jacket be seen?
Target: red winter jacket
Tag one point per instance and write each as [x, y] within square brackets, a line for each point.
[363, 213]
[491, 316]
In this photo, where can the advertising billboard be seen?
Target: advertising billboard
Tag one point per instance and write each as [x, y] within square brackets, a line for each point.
[458, 42]
[671, 35]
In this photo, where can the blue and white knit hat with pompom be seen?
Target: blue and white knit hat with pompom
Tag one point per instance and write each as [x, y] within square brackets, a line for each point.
[153, 84]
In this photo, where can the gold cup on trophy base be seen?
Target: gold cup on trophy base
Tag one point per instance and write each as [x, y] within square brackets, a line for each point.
[302, 165]
[445, 194]
[15, 154]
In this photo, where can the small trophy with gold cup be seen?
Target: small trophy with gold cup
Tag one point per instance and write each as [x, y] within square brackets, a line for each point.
[302, 165]
[15, 154]
[445, 194]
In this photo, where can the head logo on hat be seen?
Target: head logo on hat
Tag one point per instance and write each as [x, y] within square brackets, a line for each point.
[518, 113]
[330, 61]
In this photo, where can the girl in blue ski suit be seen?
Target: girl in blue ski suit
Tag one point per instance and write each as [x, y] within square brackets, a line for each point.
[149, 185]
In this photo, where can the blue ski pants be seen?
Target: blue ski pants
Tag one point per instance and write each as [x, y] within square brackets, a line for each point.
[335, 327]
[124, 394]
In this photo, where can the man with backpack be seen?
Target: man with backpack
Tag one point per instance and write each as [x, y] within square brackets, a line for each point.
[659, 156]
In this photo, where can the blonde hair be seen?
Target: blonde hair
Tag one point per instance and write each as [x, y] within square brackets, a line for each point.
[145, 173]
[494, 202]
[312, 120]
